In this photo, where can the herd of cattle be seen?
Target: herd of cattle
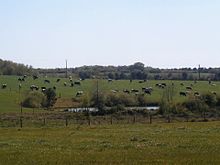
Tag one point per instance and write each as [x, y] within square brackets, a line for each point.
[144, 90]
[33, 87]
[148, 90]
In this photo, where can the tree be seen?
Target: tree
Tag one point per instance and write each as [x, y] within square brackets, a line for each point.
[184, 75]
[50, 97]
[167, 105]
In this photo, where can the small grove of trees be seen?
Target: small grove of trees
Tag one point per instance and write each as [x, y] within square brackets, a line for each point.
[36, 99]
[11, 68]
[167, 105]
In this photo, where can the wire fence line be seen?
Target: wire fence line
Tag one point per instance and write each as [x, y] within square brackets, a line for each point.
[68, 119]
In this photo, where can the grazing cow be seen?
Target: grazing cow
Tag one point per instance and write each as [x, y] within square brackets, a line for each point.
[164, 84]
[19, 86]
[131, 80]
[43, 89]
[196, 94]
[143, 88]
[183, 93]
[181, 84]
[189, 88]
[141, 81]
[65, 84]
[4, 86]
[32, 87]
[21, 79]
[58, 80]
[71, 85]
[47, 81]
[71, 80]
[54, 87]
[77, 83]
[35, 77]
[126, 91]
[148, 91]
[110, 80]
[114, 91]
[214, 93]
[79, 93]
[134, 90]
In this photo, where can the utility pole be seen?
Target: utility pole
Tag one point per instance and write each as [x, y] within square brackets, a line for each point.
[66, 70]
[97, 94]
[199, 71]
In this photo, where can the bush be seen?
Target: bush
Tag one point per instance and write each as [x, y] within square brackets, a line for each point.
[34, 99]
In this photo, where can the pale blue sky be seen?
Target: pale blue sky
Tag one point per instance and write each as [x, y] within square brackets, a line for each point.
[159, 33]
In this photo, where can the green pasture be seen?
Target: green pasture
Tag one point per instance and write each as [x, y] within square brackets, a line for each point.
[174, 143]
[11, 96]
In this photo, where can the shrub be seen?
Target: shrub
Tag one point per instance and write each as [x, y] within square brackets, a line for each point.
[34, 99]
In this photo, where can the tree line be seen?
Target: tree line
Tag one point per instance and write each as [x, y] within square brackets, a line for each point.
[135, 71]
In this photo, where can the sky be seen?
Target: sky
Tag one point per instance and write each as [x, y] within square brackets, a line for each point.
[158, 33]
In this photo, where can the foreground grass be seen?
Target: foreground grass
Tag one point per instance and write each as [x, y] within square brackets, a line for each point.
[175, 143]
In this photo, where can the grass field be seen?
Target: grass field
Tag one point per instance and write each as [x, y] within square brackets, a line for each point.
[174, 143]
[11, 97]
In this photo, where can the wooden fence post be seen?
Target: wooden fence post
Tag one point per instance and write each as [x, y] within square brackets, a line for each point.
[66, 121]
[21, 122]
[44, 121]
[150, 119]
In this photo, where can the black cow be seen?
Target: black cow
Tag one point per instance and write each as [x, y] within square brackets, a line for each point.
[47, 81]
[77, 83]
[196, 94]
[35, 77]
[58, 80]
[43, 89]
[134, 90]
[183, 93]
[4, 86]
[148, 91]
[126, 91]
[189, 88]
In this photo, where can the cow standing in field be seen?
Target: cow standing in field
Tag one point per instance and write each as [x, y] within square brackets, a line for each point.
[58, 80]
[32, 87]
[35, 77]
[79, 93]
[43, 89]
[77, 83]
[189, 88]
[196, 94]
[47, 81]
[183, 93]
[126, 91]
[4, 86]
